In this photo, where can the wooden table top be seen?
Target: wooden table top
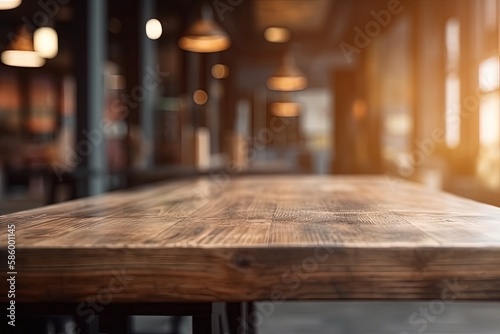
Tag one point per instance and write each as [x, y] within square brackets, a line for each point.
[259, 238]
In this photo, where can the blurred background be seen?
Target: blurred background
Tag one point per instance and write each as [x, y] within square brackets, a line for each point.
[100, 95]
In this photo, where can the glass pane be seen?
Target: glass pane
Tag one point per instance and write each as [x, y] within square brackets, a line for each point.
[489, 155]
[452, 110]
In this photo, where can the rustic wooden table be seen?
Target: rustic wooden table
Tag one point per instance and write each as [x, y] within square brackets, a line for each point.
[252, 239]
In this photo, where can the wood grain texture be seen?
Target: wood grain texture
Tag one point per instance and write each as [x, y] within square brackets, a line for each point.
[259, 238]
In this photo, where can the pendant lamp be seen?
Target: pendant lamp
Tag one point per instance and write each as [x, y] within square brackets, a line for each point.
[9, 4]
[20, 52]
[288, 77]
[285, 107]
[45, 42]
[205, 35]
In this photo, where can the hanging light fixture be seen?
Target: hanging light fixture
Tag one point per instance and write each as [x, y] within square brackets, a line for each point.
[45, 42]
[220, 71]
[20, 52]
[9, 4]
[153, 29]
[288, 77]
[285, 107]
[277, 35]
[205, 35]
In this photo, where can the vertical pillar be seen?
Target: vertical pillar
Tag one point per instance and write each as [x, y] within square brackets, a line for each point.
[214, 90]
[470, 48]
[193, 77]
[147, 64]
[89, 67]
[130, 41]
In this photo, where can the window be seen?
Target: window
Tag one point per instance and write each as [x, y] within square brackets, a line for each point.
[452, 89]
[488, 167]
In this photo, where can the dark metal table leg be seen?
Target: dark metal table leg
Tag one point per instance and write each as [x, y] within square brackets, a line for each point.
[84, 326]
[235, 317]
[249, 318]
[115, 324]
[202, 324]
[115, 318]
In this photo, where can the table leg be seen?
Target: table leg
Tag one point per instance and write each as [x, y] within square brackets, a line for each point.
[202, 324]
[86, 327]
[234, 317]
[114, 318]
[250, 308]
[114, 324]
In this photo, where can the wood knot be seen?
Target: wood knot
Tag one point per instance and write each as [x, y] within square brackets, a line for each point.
[243, 261]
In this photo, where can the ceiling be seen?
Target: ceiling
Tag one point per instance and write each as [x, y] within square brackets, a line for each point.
[297, 15]
[318, 24]
[317, 28]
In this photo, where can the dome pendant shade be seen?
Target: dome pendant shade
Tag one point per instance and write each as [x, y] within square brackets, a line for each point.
[205, 35]
[19, 58]
[9, 4]
[286, 109]
[45, 42]
[285, 106]
[288, 78]
[21, 53]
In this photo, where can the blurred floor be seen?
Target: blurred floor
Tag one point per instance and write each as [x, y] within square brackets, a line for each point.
[156, 324]
[361, 318]
[382, 318]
